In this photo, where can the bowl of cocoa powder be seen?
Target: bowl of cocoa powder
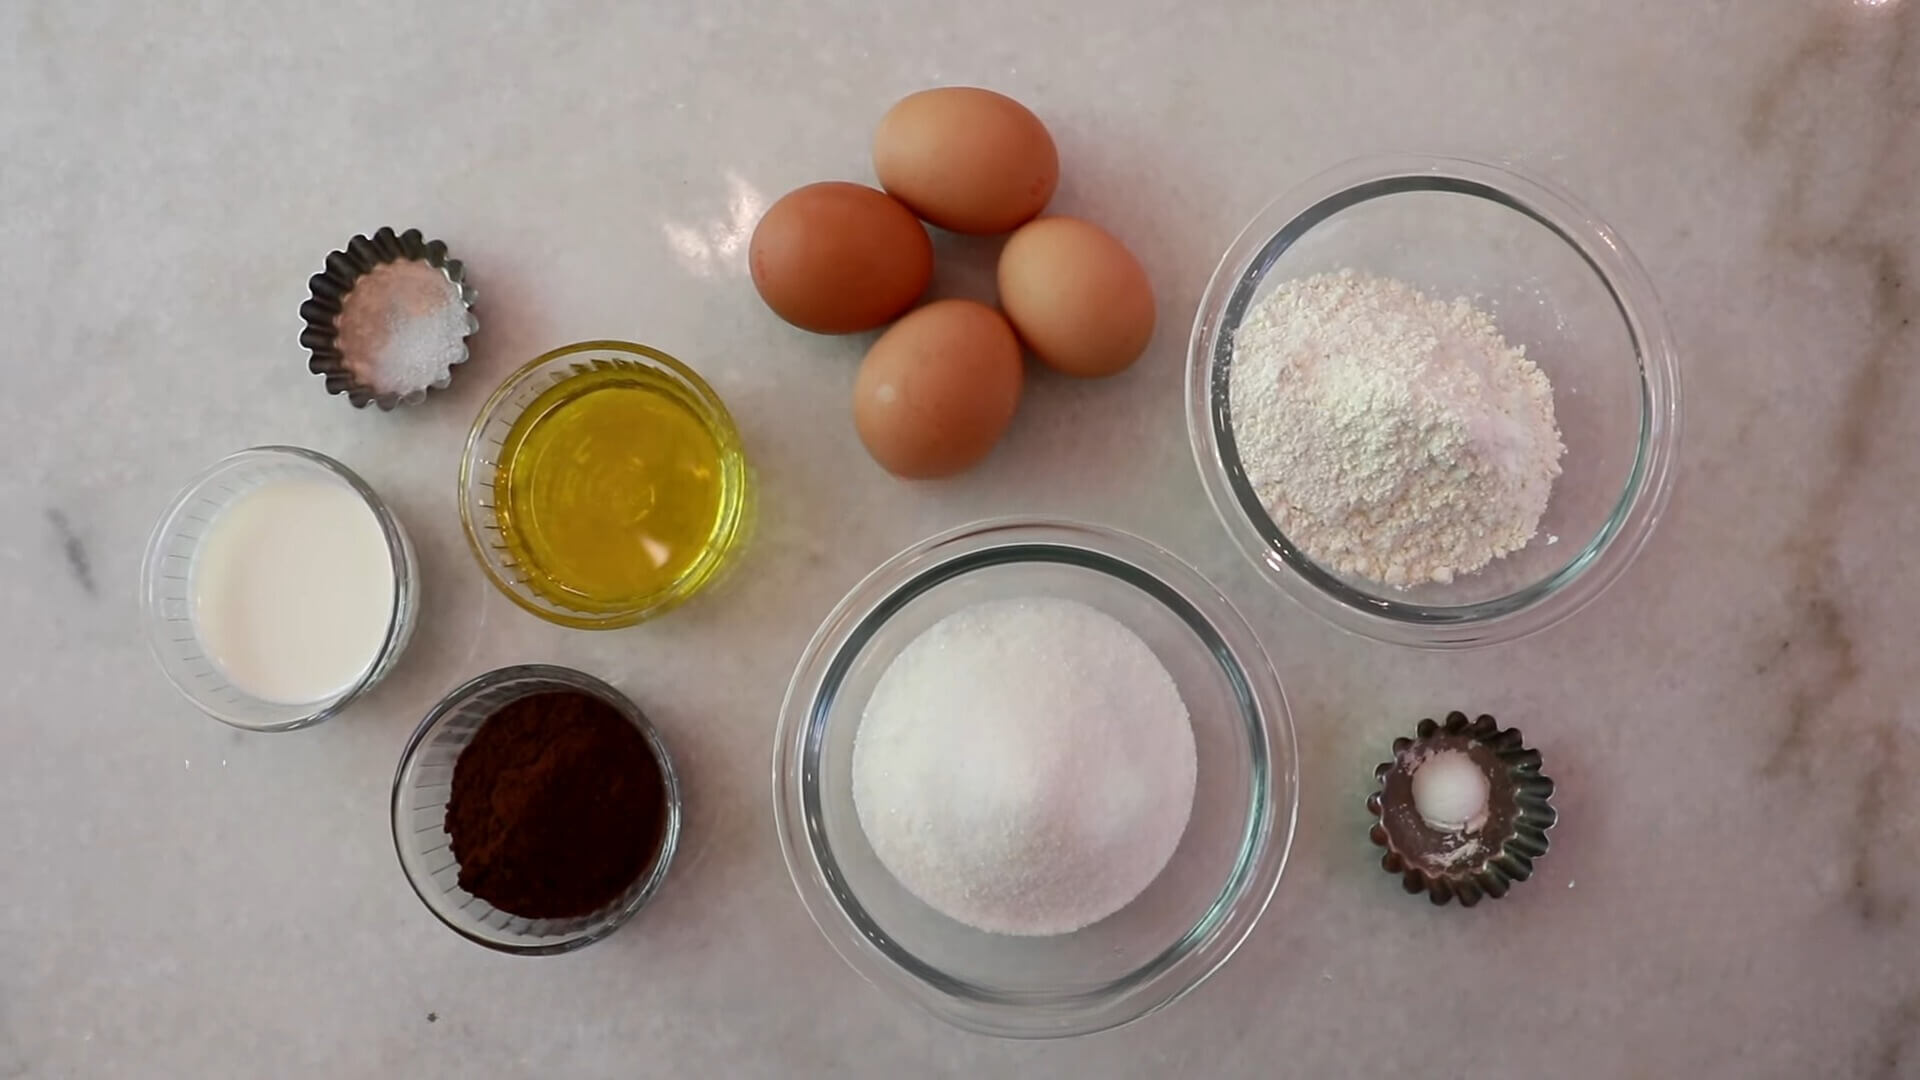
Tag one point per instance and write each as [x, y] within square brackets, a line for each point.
[535, 810]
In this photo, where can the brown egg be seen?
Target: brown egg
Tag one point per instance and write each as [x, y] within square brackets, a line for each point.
[838, 258]
[966, 159]
[938, 389]
[1078, 297]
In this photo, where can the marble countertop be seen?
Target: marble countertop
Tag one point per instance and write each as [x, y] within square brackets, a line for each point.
[1733, 889]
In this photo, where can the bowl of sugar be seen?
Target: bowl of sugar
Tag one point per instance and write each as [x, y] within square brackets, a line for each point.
[1435, 401]
[1036, 776]
[277, 588]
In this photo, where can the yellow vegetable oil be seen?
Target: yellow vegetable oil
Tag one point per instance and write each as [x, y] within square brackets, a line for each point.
[619, 489]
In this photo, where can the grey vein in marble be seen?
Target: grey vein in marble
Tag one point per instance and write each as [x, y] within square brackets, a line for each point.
[74, 550]
[1829, 718]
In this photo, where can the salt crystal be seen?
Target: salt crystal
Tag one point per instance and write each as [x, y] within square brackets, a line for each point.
[402, 327]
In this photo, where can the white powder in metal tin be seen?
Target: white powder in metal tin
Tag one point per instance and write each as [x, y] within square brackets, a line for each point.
[1450, 792]
[1391, 436]
[402, 327]
[1025, 766]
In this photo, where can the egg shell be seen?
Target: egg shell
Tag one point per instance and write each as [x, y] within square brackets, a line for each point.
[938, 389]
[966, 159]
[839, 258]
[1078, 297]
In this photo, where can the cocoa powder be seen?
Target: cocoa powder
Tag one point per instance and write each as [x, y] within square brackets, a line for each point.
[558, 805]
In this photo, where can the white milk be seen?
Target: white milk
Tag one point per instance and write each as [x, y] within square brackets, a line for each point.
[292, 591]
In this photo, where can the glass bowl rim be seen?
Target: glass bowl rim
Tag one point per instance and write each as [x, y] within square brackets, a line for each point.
[1536, 606]
[390, 531]
[714, 414]
[578, 680]
[1266, 837]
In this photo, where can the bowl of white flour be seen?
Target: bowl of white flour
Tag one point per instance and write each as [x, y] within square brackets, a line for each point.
[1433, 400]
[1036, 777]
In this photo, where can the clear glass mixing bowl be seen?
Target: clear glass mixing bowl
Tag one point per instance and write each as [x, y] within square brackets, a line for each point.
[1558, 282]
[1158, 948]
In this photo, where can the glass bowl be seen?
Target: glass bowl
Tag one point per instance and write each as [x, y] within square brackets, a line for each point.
[1558, 282]
[478, 467]
[424, 780]
[1162, 945]
[166, 599]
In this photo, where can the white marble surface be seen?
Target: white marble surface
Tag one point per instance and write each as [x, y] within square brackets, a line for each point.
[1732, 892]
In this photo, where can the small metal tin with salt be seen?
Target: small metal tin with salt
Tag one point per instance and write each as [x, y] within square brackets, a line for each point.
[1485, 857]
[332, 290]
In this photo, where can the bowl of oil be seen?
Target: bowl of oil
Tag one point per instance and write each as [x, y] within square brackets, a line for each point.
[603, 483]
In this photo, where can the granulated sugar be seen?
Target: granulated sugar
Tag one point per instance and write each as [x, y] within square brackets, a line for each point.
[1391, 436]
[1025, 766]
[402, 327]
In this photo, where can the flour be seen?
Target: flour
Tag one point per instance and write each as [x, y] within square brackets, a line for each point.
[1391, 436]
